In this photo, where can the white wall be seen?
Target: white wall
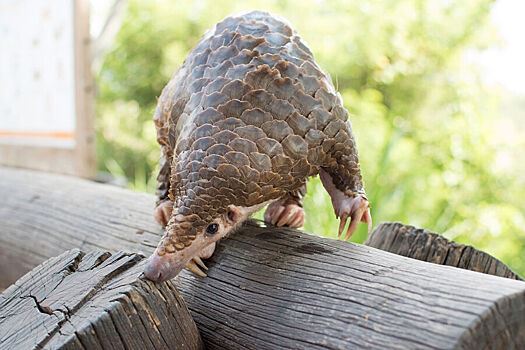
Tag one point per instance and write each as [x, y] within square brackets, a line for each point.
[37, 87]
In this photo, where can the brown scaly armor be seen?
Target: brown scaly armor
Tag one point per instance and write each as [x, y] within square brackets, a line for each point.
[247, 118]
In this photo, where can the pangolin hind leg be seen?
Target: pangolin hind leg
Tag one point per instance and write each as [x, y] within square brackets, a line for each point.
[347, 204]
[288, 210]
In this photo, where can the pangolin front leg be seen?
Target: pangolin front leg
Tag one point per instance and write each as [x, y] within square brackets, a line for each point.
[163, 212]
[164, 208]
[288, 210]
[348, 204]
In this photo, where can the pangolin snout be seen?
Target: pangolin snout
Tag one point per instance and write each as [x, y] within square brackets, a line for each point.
[160, 268]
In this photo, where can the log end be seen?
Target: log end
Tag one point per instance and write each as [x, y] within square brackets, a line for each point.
[501, 326]
[94, 300]
[427, 246]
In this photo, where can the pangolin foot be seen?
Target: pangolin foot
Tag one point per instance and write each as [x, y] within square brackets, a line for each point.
[280, 213]
[353, 206]
[163, 212]
[356, 210]
[196, 265]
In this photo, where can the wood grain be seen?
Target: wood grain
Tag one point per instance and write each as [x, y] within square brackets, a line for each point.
[271, 288]
[424, 245]
[94, 301]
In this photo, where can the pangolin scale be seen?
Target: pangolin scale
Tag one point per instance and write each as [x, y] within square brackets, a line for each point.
[248, 117]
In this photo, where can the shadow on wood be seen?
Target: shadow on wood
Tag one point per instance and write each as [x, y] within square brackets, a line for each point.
[94, 301]
[272, 288]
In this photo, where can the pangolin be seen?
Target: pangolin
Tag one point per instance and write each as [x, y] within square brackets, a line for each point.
[243, 123]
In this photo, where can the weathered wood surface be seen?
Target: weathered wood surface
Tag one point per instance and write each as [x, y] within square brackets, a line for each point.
[42, 215]
[323, 293]
[94, 301]
[424, 245]
[269, 288]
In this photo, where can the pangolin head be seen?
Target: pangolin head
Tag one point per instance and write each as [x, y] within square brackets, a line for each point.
[198, 221]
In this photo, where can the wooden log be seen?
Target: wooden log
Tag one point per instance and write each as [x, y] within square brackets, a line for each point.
[273, 288]
[424, 245]
[42, 215]
[94, 301]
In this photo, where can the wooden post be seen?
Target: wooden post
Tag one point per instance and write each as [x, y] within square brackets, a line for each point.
[271, 288]
[94, 301]
[84, 94]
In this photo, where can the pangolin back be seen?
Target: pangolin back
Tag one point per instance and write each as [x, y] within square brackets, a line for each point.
[246, 119]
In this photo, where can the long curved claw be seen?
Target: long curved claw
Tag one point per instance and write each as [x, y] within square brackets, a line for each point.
[280, 214]
[192, 266]
[342, 224]
[367, 218]
[356, 210]
[355, 218]
[285, 216]
[199, 262]
[298, 220]
[272, 213]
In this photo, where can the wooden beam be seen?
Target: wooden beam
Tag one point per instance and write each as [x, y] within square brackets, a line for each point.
[424, 245]
[266, 287]
[42, 215]
[85, 163]
[94, 301]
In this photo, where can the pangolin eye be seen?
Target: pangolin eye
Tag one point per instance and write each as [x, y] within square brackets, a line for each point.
[212, 229]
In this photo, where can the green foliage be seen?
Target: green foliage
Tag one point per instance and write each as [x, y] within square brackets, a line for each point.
[422, 121]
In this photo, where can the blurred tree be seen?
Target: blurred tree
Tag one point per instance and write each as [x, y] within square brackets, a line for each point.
[422, 120]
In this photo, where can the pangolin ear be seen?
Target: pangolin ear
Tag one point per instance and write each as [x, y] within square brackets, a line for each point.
[234, 214]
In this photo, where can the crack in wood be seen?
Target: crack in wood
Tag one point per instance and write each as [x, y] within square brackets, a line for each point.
[44, 309]
[85, 291]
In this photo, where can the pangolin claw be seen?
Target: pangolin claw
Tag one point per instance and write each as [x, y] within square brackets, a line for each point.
[342, 224]
[281, 213]
[192, 266]
[359, 211]
[199, 262]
